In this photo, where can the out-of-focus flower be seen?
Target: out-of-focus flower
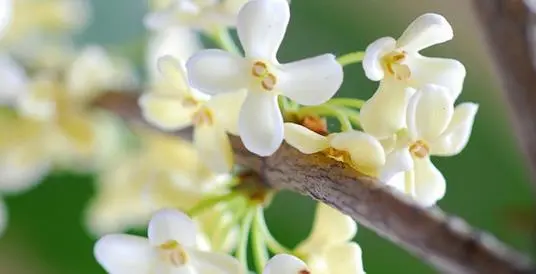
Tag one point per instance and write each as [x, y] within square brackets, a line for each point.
[163, 172]
[205, 14]
[217, 232]
[6, 8]
[14, 80]
[261, 27]
[435, 127]
[399, 65]
[182, 107]
[170, 248]
[362, 151]
[329, 248]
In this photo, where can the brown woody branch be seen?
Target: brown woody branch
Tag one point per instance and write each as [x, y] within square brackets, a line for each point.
[507, 25]
[447, 243]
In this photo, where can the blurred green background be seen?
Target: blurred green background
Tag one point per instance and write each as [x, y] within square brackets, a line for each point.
[487, 184]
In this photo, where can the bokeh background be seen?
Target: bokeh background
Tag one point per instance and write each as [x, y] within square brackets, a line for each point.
[487, 183]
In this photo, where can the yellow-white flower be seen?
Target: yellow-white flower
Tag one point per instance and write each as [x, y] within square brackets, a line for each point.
[170, 248]
[217, 233]
[435, 128]
[13, 78]
[181, 107]
[285, 264]
[329, 248]
[195, 13]
[356, 148]
[399, 65]
[261, 27]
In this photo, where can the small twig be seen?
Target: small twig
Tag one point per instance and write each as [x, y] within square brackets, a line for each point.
[448, 243]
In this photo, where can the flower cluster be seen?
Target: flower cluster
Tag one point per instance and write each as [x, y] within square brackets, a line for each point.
[201, 206]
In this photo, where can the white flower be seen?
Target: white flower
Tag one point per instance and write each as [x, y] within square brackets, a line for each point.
[359, 149]
[181, 107]
[285, 264]
[14, 80]
[329, 248]
[261, 27]
[196, 13]
[399, 65]
[435, 127]
[170, 248]
[6, 8]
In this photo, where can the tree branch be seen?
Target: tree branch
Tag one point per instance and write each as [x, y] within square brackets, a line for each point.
[448, 243]
[506, 25]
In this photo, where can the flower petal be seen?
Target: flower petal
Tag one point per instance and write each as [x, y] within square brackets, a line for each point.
[430, 185]
[214, 71]
[345, 258]
[384, 114]
[429, 113]
[21, 170]
[284, 264]
[6, 10]
[399, 160]
[170, 224]
[330, 227]
[427, 30]
[311, 81]
[166, 112]
[13, 78]
[3, 216]
[372, 61]
[174, 72]
[226, 109]
[304, 139]
[214, 147]
[448, 73]
[215, 263]
[457, 134]
[261, 26]
[366, 151]
[261, 123]
[120, 253]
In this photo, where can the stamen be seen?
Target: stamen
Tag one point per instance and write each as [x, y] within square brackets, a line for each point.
[419, 149]
[173, 253]
[259, 69]
[304, 271]
[202, 117]
[269, 82]
[392, 63]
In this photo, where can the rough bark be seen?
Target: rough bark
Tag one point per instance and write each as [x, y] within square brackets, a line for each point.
[447, 243]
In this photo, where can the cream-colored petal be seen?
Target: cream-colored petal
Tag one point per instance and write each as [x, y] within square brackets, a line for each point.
[345, 258]
[448, 73]
[226, 109]
[214, 71]
[384, 114]
[430, 185]
[399, 160]
[214, 147]
[457, 134]
[285, 264]
[429, 113]
[122, 254]
[330, 227]
[399, 182]
[261, 26]
[304, 139]
[372, 61]
[21, 170]
[311, 81]
[425, 31]
[366, 151]
[6, 10]
[166, 112]
[174, 72]
[3, 216]
[261, 123]
[169, 224]
[215, 263]
[37, 105]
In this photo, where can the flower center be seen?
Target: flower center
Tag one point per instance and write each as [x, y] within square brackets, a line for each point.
[419, 149]
[339, 155]
[202, 117]
[261, 72]
[393, 64]
[173, 253]
[304, 271]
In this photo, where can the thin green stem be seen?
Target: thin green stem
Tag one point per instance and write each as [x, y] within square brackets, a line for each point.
[210, 202]
[351, 58]
[347, 102]
[260, 254]
[223, 39]
[242, 249]
[329, 111]
[353, 116]
[273, 245]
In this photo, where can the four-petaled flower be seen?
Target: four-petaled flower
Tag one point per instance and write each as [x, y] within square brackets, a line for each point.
[399, 65]
[261, 27]
[170, 248]
[436, 128]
